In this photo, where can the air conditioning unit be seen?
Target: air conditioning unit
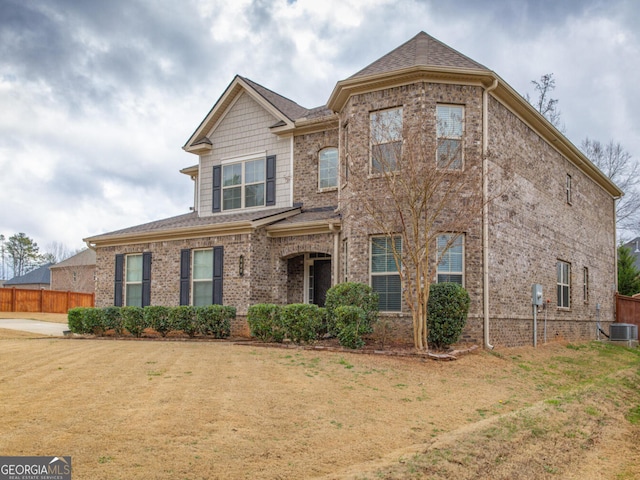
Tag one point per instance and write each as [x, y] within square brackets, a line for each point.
[623, 331]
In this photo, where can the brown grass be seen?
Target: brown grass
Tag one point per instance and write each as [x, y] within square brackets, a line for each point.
[182, 410]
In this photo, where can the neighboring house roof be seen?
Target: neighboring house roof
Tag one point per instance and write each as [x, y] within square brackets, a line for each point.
[82, 258]
[41, 275]
[423, 50]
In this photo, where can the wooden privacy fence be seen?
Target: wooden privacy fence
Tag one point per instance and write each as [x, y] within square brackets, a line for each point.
[627, 309]
[46, 301]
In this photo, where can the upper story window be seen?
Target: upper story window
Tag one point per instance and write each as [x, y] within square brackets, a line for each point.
[449, 129]
[568, 188]
[386, 139]
[328, 168]
[243, 185]
[450, 252]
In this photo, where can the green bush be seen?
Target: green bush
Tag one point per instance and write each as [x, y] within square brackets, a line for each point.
[111, 319]
[264, 322]
[92, 321]
[301, 322]
[351, 324]
[133, 320]
[215, 320]
[447, 311]
[351, 294]
[184, 318]
[75, 319]
[157, 317]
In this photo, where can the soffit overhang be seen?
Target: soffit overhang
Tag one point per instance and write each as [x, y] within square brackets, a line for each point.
[314, 227]
[502, 92]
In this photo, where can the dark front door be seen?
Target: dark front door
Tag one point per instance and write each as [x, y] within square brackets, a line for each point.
[322, 281]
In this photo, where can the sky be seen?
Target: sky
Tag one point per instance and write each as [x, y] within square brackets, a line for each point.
[98, 97]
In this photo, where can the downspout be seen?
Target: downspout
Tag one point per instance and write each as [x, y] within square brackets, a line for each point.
[485, 210]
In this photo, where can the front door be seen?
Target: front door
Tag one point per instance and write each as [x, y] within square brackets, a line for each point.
[321, 281]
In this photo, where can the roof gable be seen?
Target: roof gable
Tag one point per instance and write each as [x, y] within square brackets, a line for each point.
[284, 110]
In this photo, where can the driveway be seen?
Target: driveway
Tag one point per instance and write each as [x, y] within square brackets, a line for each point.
[35, 326]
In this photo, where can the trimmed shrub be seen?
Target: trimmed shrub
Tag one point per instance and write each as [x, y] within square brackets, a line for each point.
[447, 311]
[184, 318]
[351, 324]
[215, 320]
[92, 321]
[157, 317]
[301, 322]
[111, 319]
[133, 320]
[75, 318]
[264, 322]
[351, 294]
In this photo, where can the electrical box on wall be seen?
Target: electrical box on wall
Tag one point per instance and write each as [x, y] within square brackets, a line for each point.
[536, 294]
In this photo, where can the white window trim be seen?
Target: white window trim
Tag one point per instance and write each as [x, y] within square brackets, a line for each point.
[375, 173]
[568, 285]
[193, 280]
[447, 137]
[464, 247]
[243, 185]
[126, 276]
[384, 274]
[334, 187]
[244, 158]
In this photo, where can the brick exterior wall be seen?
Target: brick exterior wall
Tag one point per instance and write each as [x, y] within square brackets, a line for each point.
[531, 226]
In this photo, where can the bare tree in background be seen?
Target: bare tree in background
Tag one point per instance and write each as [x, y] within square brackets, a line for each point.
[546, 105]
[624, 171]
[420, 195]
[56, 252]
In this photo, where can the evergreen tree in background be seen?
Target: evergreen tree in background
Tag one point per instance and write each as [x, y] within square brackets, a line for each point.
[628, 274]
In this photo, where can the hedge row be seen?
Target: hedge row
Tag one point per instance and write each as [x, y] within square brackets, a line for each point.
[350, 311]
[210, 320]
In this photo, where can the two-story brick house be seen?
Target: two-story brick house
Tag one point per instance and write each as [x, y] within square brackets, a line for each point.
[270, 221]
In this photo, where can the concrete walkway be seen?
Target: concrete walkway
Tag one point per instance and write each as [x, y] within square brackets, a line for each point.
[35, 326]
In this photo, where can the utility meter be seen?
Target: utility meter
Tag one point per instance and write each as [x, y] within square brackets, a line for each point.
[536, 294]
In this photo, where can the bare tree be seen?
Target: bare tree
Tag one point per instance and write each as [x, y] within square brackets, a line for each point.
[624, 171]
[546, 105]
[421, 195]
[57, 252]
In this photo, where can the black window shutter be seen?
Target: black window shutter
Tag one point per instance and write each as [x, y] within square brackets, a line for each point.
[218, 260]
[146, 279]
[217, 188]
[185, 280]
[271, 180]
[117, 294]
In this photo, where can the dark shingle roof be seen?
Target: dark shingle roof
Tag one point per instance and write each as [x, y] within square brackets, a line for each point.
[288, 107]
[192, 219]
[41, 275]
[421, 50]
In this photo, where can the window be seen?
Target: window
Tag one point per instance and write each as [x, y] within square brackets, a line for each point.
[202, 278]
[386, 139]
[568, 187]
[328, 168]
[385, 279]
[243, 185]
[450, 254]
[564, 284]
[449, 128]
[585, 284]
[133, 280]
